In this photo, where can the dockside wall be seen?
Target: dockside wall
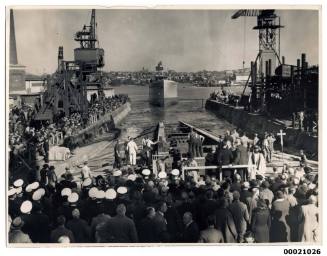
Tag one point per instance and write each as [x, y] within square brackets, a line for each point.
[108, 122]
[254, 123]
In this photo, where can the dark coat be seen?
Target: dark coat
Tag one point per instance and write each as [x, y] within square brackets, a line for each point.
[160, 229]
[225, 223]
[241, 156]
[225, 156]
[119, 229]
[174, 223]
[280, 230]
[146, 231]
[191, 233]
[80, 229]
[260, 225]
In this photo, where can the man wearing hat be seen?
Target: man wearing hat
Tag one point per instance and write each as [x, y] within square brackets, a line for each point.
[16, 235]
[14, 203]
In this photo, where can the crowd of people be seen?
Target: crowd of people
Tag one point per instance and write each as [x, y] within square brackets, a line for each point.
[133, 204]
[28, 139]
[225, 95]
[97, 108]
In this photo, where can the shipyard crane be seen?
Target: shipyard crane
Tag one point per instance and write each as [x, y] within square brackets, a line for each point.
[77, 80]
[268, 26]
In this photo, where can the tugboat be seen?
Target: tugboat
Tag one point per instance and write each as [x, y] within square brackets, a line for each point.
[162, 91]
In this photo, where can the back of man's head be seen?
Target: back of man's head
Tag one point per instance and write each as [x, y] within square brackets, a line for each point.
[61, 220]
[121, 209]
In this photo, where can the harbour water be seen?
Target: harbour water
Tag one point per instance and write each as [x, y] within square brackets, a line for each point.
[190, 108]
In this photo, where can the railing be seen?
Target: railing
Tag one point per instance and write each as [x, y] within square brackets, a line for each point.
[214, 167]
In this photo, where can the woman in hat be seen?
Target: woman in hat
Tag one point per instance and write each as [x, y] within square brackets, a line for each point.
[261, 222]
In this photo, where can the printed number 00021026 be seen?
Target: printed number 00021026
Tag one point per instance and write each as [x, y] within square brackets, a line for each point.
[302, 251]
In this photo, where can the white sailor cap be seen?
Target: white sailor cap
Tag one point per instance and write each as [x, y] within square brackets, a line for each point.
[146, 172]
[18, 183]
[35, 185]
[122, 190]
[162, 175]
[19, 190]
[66, 192]
[26, 206]
[100, 194]
[92, 192]
[312, 186]
[131, 177]
[175, 172]
[111, 194]
[29, 188]
[73, 198]
[12, 192]
[87, 182]
[41, 191]
[37, 195]
[117, 173]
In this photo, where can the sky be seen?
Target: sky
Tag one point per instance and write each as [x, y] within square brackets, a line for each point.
[184, 40]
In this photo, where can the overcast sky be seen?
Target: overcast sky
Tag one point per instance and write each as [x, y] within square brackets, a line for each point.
[185, 40]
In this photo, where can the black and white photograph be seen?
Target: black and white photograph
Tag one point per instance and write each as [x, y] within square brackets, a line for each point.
[173, 126]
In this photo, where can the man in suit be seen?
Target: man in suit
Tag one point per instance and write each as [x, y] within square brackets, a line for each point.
[211, 234]
[225, 157]
[146, 228]
[119, 229]
[241, 158]
[240, 215]
[160, 223]
[191, 230]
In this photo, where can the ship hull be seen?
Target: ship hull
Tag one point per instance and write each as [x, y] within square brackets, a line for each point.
[163, 93]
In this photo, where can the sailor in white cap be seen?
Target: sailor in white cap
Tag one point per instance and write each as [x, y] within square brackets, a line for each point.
[87, 182]
[18, 183]
[29, 188]
[66, 192]
[162, 175]
[131, 177]
[12, 192]
[100, 194]
[175, 172]
[37, 195]
[146, 173]
[93, 192]
[111, 194]
[26, 207]
[122, 190]
[73, 198]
